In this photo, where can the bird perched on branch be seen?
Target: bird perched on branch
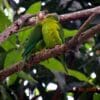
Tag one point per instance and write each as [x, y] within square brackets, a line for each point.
[46, 34]
[35, 36]
[52, 31]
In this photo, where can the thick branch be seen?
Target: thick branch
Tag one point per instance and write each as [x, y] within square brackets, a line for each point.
[40, 56]
[80, 89]
[26, 20]
[43, 55]
[14, 27]
[79, 14]
[58, 94]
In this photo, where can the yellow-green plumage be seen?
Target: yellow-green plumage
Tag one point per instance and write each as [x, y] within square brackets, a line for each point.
[52, 32]
[46, 34]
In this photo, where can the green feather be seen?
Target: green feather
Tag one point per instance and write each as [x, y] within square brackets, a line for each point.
[40, 45]
[35, 36]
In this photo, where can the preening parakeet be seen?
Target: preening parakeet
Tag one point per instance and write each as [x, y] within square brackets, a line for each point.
[34, 38]
[47, 33]
[52, 31]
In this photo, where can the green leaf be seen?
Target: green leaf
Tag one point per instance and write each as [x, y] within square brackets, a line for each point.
[12, 58]
[80, 76]
[90, 43]
[87, 46]
[10, 11]
[69, 33]
[34, 8]
[10, 43]
[96, 96]
[53, 64]
[2, 58]
[24, 34]
[4, 22]
[0, 4]
[97, 1]
[11, 79]
[26, 76]
[4, 95]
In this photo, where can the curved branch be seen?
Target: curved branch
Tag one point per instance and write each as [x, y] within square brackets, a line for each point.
[79, 14]
[27, 20]
[45, 54]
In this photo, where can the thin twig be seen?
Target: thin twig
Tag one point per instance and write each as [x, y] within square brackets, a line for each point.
[87, 34]
[82, 28]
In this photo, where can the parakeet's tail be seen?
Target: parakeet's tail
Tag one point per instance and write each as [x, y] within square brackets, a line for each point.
[27, 51]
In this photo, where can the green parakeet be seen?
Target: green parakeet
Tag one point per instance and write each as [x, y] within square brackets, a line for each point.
[53, 34]
[52, 31]
[34, 38]
[46, 34]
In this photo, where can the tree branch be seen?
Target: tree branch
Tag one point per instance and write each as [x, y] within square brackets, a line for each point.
[58, 94]
[82, 28]
[27, 20]
[79, 14]
[45, 54]
[14, 27]
[80, 89]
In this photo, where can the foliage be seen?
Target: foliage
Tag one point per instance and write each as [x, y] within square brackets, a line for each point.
[80, 66]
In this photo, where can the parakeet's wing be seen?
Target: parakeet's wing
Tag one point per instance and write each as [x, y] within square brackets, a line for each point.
[35, 36]
[61, 32]
[39, 46]
[50, 31]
